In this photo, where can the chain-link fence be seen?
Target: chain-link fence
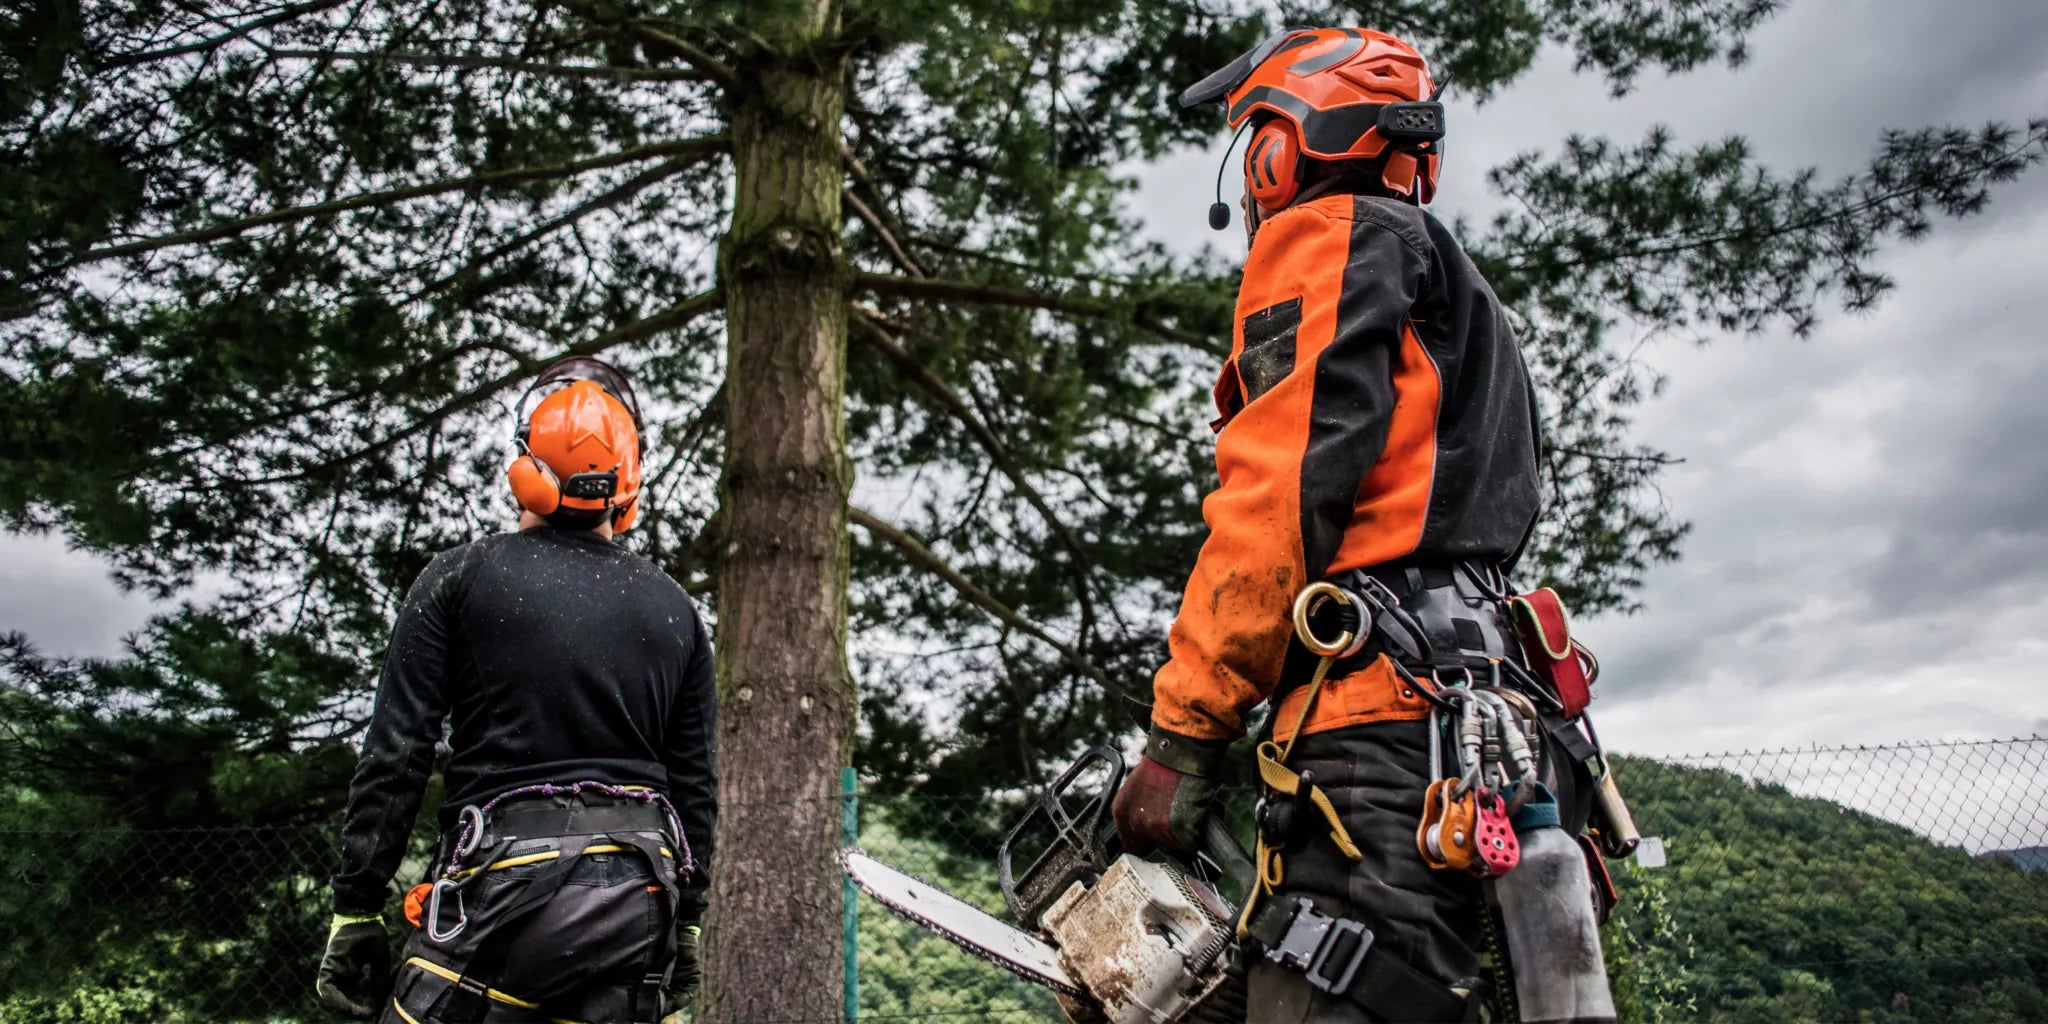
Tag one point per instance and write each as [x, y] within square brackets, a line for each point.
[1903, 883]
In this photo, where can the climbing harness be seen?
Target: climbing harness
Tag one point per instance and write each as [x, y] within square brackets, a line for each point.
[1336, 955]
[471, 836]
[561, 830]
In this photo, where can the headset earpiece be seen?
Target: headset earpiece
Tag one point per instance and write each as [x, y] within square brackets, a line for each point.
[534, 485]
[1272, 166]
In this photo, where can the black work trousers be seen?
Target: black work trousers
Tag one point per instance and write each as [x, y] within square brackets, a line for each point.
[1375, 775]
[585, 955]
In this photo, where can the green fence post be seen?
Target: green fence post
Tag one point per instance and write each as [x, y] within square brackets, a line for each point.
[849, 788]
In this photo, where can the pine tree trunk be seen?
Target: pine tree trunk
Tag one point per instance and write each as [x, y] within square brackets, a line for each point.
[786, 700]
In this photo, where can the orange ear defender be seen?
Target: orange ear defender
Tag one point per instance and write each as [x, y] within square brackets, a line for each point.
[533, 484]
[580, 449]
[1272, 166]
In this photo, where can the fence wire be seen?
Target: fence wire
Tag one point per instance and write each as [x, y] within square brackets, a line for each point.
[1881, 884]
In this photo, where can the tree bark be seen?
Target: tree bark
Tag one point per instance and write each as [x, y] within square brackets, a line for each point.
[786, 698]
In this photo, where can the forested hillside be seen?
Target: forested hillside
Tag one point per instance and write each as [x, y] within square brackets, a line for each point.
[1776, 908]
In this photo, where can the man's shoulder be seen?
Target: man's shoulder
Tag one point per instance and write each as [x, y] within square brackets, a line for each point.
[1406, 221]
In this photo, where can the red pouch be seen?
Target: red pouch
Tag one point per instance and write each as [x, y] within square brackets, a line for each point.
[1604, 894]
[1553, 655]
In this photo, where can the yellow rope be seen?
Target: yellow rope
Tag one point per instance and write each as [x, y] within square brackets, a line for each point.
[1274, 774]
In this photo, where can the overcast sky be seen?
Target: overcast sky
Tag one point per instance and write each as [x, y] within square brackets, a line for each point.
[1870, 544]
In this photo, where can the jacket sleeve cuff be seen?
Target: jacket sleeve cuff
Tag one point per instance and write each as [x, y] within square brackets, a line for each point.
[1187, 755]
[352, 905]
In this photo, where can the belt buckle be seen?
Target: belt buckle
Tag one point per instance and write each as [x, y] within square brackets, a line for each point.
[1314, 944]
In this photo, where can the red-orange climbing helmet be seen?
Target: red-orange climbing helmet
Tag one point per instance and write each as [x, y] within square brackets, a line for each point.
[1331, 95]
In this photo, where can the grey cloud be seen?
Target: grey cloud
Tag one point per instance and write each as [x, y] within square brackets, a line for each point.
[64, 600]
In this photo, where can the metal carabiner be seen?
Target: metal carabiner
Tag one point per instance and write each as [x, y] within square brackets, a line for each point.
[1347, 643]
[472, 819]
[433, 915]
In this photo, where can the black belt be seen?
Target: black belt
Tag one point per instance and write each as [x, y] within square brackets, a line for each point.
[1339, 957]
[536, 820]
[1445, 616]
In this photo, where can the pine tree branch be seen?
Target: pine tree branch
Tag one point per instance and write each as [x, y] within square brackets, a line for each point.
[2030, 149]
[279, 18]
[924, 558]
[605, 200]
[511, 176]
[998, 453]
[449, 60]
[881, 231]
[710, 67]
[1624, 458]
[945, 290]
[668, 319]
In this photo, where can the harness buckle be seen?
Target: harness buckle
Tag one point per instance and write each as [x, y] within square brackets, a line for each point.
[433, 915]
[1328, 950]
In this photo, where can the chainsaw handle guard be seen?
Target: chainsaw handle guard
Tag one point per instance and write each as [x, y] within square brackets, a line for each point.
[1221, 856]
[1082, 845]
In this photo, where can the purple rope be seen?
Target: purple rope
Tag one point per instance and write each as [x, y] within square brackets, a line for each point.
[685, 866]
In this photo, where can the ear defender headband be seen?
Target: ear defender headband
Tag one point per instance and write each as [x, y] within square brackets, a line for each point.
[534, 483]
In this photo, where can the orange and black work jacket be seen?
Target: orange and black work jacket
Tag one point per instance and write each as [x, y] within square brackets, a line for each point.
[1375, 409]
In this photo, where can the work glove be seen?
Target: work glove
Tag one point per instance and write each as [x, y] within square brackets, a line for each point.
[684, 976]
[686, 972]
[1165, 798]
[355, 972]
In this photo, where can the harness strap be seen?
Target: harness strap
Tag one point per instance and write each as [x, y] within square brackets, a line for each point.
[1274, 773]
[1340, 958]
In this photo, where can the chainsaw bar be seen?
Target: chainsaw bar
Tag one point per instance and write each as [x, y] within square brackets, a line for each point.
[959, 922]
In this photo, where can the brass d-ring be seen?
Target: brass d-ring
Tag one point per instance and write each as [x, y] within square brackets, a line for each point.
[1305, 601]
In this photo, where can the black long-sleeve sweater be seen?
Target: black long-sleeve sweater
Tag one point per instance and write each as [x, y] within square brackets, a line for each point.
[561, 657]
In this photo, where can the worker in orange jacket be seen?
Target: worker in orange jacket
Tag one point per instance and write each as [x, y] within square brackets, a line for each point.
[1375, 419]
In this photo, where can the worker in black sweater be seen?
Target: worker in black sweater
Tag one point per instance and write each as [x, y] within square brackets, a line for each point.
[576, 679]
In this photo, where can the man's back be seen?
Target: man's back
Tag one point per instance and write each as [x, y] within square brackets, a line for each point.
[571, 659]
[558, 656]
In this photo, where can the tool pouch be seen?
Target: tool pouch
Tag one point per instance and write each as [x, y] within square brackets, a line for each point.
[1552, 653]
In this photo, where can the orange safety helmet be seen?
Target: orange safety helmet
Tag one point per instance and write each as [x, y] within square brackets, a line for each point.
[1330, 94]
[580, 450]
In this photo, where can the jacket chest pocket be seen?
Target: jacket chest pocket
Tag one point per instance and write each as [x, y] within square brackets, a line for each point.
[1265, 360]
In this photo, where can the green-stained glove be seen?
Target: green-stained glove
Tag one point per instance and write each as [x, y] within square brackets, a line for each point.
[684, 976]
[1165, 798]
[355, 972]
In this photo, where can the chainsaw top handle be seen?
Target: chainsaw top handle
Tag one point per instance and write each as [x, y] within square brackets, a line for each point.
[1062, 837]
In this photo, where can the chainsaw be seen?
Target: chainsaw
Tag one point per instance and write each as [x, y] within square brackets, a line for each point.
[1119, 938]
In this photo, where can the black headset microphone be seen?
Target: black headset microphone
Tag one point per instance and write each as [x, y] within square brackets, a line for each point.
[1219, 211]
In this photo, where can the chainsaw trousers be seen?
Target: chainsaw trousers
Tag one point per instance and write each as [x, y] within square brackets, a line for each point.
[583, 956]
[1375, 775]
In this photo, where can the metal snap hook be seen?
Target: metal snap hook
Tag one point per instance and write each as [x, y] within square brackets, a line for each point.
[433, 915]
[472, 820]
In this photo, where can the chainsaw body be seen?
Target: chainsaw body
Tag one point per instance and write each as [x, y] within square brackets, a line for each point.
[1148, 942]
